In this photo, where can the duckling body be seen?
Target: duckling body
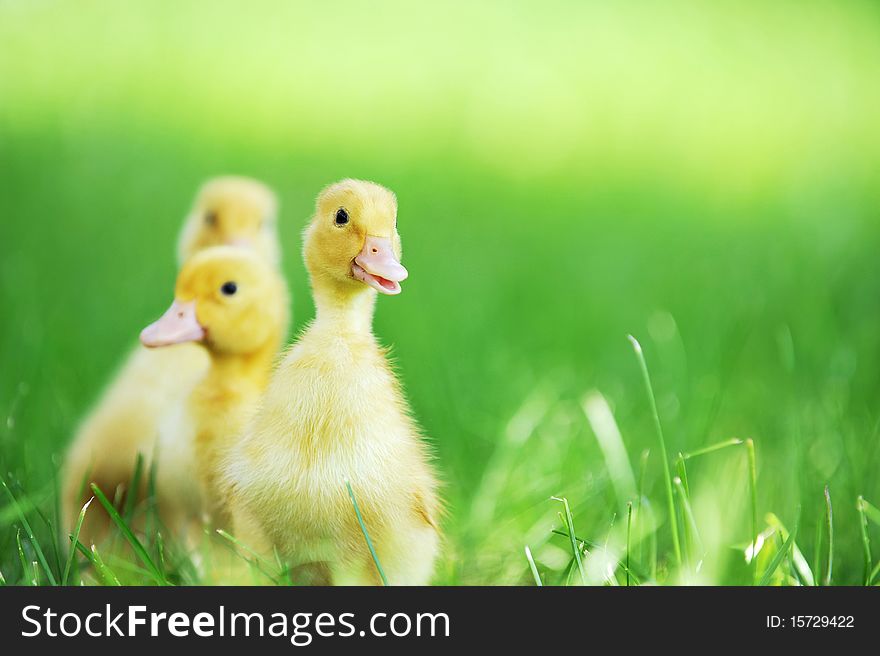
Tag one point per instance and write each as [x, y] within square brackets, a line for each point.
[235, 307]
[334, 412]
[193, 436]
[125, 424]
[144, 397]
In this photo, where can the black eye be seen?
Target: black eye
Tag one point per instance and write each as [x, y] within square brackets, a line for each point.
[229, 288]
[211, 219]
[341, 216]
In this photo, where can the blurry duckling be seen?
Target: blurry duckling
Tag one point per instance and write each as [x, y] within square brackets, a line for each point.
[234, 305]
[235, 211]
[125, 421]
[334, 412]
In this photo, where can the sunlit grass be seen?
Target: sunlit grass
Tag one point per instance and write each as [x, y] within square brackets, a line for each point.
[829, 526]
[664, 455]
[533, 568]
[778, 560]
[74, 539]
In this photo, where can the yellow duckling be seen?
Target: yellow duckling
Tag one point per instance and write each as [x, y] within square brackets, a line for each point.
[334, 412]
[227, 210]
[235, 211]
[234, 305]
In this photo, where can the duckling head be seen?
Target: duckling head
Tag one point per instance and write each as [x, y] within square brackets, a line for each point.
[352, 243]
[233, 211]
[227, 298]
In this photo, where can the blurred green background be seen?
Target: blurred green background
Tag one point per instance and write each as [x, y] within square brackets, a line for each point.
[703, 176]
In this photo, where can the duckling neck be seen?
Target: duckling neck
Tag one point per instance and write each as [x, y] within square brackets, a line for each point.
[344, 310]
[231, 369]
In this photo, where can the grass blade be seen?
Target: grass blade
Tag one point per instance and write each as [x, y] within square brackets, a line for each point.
[104, 574]
[84, 550]
[22, 559]
[681, 470]
[569, 521]
[127, 566]
[778, 557]
[9, 513]
[30, 533]
[533, 567]
[607, 433]
[284, 572]
[667, 474]
[127, 533]
[643, 468]
[829, 524]
[102, 569]
[74, 539]
[712, 448]
[360, 519]
[866, 542]
[152, 521]
[160, 551]
[584, 543]
[255, 559]
[134, 487]
[801, 566]
[753, 493]
[52, 530]
[629, 521]
[871, 512]
[691, 522]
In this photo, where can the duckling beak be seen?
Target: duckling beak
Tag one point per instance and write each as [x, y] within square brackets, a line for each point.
[178, 324]
[377, 266]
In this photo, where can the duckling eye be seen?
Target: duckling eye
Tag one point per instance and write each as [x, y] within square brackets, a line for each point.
[341, 216]
[229, 288]
[211, 219]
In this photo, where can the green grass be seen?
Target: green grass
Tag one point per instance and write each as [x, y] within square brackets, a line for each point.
[74, 539]
[783, 553]
[829, 525]
[124, 527]
[667, 473]
[533, 568]
[366, 534]
[701, 176]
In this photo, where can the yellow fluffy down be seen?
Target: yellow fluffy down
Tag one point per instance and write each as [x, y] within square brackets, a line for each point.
[333, 412]
[143, 395]
[244, 332]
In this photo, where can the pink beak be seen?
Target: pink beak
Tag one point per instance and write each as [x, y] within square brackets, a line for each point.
[178, 324]
[377, 266]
